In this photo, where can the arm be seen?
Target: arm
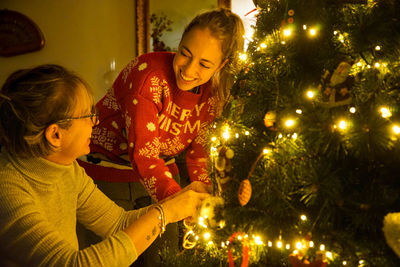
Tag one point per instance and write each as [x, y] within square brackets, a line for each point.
[140, 96]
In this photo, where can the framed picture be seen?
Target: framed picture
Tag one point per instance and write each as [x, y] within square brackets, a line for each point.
[160, 23]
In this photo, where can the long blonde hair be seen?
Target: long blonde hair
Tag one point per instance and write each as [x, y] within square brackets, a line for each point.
[226, 26]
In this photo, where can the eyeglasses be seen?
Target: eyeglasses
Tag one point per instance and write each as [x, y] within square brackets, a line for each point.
[94, 116]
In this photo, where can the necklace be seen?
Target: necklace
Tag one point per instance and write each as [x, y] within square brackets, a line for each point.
[195, 90]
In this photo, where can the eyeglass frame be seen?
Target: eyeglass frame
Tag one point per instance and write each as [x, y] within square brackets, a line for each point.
[94, 115]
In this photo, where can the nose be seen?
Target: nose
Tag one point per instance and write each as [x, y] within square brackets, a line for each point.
[190, 69]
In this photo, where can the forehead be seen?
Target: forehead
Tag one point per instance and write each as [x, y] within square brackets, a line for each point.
[201, 43]
[83, 99]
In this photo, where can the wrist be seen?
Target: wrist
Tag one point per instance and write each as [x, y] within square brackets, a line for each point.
[161, 217]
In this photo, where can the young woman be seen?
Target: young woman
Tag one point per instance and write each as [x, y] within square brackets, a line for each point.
[46, 120]
[161, 105]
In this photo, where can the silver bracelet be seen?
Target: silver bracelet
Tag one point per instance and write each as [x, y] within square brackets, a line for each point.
[161, 217]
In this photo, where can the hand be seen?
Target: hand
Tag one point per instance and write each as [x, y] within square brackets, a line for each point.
[183, 204]
[198, 187]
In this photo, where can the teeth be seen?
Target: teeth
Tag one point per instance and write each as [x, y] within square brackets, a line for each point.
[186, 79]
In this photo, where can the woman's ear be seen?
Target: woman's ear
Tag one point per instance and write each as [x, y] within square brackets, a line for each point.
[53, 135]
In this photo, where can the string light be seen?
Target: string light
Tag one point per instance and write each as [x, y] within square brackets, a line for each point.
[396, 129]
[289, 123]
[279, 244]
[342, 124]
[266, 150]
[344, 262]
[287, 32]
[243, 56]
[213, 138]
[299, 245]
[312, 32]
[322, 247]
[311, 244]
[329, 255]
[207, 235]
[352, 110]
[294, 136]
[310, 94]
[226, 135]
[303, 217]
[287, 246]
[304, 27]
[377, 65]
[258, 240]
[377, 48]
[269, 244]
[385, 112]
[236, 135]
[299, 111]
[246, 132]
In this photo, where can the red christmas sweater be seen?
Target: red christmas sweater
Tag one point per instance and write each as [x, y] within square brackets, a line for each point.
[146, 116]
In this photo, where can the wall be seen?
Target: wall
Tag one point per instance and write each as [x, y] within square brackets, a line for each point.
[82, 35]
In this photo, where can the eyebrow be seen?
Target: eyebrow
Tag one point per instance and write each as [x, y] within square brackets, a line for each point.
[203, 59]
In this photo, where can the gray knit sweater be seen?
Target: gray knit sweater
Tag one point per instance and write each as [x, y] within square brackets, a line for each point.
[40, 202]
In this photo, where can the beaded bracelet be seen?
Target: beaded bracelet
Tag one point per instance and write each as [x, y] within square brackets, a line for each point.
[161, 217]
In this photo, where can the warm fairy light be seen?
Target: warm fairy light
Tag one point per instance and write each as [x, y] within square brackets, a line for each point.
[385, 112]
[303, 217]
[377, 65]
[283, 42]
[335, 32]
[269, 244]
[352, 110]
[266, 150]
[246, 132]
[322, 247]
[342, 124]
[222, 244]
[243, 56]
[213, 138]
[239, 237]
[207, 235]
[299, 245]
[311, 244]
[287, 246]
[396, 129]
[287, 32]
[263, 45]
[196, 237]
[299, 111]
[226, 135]
[361, 262]
[201, 222]
[304, 27]
[294, 136]
[289, 123]
[236, 135]
[341, 38]
[344, 262]
[222, 224]
[368, 66]
[329, 255]
[279, 244]
[312, 32]
[210, 243]
[377, 48]
[280, 136]
[258, 240]
[310, 94]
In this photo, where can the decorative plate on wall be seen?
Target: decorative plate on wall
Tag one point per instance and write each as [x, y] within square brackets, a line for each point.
[18, 34]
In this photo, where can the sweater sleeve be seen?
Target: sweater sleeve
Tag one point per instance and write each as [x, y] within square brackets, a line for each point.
[197, 157]
[28, 236]
[141, 108]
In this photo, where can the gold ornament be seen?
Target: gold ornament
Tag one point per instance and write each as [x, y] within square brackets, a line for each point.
[244, 192]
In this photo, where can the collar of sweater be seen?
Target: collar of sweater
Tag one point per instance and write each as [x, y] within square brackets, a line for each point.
[40, 169]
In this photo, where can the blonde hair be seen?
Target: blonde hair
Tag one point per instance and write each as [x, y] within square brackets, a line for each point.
[226, 26]
[30, 101]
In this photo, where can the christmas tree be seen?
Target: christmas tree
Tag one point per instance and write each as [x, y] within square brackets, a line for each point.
[306, 157]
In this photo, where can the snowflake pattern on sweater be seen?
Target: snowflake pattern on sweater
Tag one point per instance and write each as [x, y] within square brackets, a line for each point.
[147, 117]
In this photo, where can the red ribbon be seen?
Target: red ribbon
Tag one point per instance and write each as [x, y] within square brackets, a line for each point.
[245, 251]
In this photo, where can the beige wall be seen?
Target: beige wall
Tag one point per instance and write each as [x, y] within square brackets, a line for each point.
[82, 35]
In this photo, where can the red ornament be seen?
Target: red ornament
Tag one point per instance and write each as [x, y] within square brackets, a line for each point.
[245, 251]
[244, 192]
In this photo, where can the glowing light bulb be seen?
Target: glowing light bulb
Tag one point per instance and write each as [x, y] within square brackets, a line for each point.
[269, 244]
[239, 237]
[280, 136]
[226, 135]
[213, 138]
[377, 48]
[361, 262]
[342, 124]
[210, 243]
[287, 246]
[322, 247]
[335, 32]
[283, 42]
[312, 32]
[266, 150]
[246, 132]
[236, 135]
[352, 110]
[344, 262]
[258, 240]
[243, 56]
[396, 129]
[222, 244]
[299, 245]
[294, 136]
[207, 235]
[279, 244]
[329, 255]
[359, 64]
[263, 45]
[303, 217]
[377, 65]
[310, 94]
[385, 112]
[311, 244]
[289, 123]
[304, 27]
[287, 32]
[299, 111]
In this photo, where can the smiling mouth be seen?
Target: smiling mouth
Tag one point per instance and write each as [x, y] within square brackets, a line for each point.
[186, 79]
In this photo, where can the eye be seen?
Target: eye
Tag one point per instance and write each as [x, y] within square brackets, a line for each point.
[183, 53]
[204, 66]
